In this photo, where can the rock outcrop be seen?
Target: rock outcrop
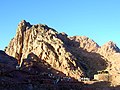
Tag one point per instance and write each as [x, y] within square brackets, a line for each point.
[85, 50]
[85, 43]
[111, 53]
[44, 42]
[109, 48]
[98, 58]
[73, 56]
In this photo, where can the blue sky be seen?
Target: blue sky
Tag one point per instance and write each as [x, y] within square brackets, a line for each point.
[97, 19]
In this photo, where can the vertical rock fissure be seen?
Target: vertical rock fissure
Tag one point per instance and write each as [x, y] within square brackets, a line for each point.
[20, 53]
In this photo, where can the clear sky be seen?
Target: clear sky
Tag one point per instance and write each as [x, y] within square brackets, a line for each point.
[97, 19]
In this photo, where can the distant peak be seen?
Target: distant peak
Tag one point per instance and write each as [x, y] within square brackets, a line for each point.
[111, 42]
[85, 43]
[111, 46]
[84, 38]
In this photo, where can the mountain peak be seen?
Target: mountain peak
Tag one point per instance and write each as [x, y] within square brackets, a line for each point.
[23, 25]
[23, 21]
[111, 46]
[73, 56]
[86, 43]
[111, 43]
[46, 44]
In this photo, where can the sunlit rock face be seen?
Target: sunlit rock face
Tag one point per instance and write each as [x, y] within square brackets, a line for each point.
[111, 53]
[47, 44]
[74, 56]
[85, 43]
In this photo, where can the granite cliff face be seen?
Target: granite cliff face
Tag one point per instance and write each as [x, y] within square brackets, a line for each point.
[44, 42]
[74, 56]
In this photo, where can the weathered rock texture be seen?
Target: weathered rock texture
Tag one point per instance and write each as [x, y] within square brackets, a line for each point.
[96, 58]
[46, 44]
[112, 54]
[85, 50]
[74, 56]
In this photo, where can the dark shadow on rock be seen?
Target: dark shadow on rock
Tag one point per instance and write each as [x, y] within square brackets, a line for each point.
[34, 62]
[6, 59]
[37, 74]
[116, 87]
[89, 62]
[39, 66]
[7, 63]
[102, 85]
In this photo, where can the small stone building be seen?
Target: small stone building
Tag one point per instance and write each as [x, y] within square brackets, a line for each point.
[102, 76]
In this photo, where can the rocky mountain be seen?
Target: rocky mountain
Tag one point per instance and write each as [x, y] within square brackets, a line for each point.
[86, 52]
[98, 58]
[111, 53]
[44, 42]
[73, 56]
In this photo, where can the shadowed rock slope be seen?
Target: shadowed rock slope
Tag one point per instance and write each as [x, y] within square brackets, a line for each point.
[74, 56]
